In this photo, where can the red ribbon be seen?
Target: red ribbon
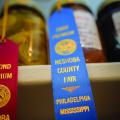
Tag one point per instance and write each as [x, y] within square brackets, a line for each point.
[8, 80]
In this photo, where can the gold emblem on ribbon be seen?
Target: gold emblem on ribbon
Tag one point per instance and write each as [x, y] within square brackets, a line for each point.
[5, 95]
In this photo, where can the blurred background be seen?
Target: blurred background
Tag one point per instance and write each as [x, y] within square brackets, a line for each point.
[45, 5]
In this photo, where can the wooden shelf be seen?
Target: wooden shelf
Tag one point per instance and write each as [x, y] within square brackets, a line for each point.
[42, 73]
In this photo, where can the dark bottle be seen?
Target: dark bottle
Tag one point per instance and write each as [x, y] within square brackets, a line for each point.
[109, 25]
[26, 27]
[88, 32]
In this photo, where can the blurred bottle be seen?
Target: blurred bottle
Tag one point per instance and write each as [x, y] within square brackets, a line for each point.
[88, 32]
[109, 25]
[26, 27]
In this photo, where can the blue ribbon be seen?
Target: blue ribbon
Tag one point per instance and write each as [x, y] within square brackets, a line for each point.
[73, 98]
